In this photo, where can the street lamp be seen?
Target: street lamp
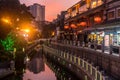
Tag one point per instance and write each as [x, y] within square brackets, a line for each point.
[6, 20]
[27, 30]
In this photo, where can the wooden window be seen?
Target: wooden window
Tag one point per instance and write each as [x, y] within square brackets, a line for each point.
[118, 13]
[111, 15]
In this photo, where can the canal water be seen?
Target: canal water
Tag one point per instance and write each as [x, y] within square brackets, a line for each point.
[41, 68]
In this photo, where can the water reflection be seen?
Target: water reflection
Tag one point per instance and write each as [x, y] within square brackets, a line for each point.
[42, 68]
[36, 65]
[46, 75]
[38, 70]
[61, 72]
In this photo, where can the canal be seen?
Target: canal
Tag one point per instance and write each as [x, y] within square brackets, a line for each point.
[41, 68]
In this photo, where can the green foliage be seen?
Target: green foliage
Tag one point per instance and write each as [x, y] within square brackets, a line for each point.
[12, 41]
[8, 43]
[13, 10]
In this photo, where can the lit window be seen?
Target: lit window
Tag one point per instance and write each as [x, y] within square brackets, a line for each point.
[100, 2]
[94, 4]
[73, 13]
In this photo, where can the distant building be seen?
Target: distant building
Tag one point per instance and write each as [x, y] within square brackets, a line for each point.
[38, 11]
[59, 24]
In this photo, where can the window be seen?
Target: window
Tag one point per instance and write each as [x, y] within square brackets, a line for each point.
[73, 13]
[100, 2]
[111, 15]
[82, 9]
[95, 3]
[67, 16]
[118, 13]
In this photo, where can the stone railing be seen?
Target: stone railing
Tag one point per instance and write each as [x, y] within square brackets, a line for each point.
[91, 71]
[112, 50]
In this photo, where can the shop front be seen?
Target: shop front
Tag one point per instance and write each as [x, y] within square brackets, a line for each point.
[111, 39]
[96, 37]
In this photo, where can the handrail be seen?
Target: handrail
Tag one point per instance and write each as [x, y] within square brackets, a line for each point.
[94, 72]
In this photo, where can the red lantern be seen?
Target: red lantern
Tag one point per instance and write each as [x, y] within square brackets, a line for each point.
[66, 27]
[73, 26]
[83, 24]
[97, 19]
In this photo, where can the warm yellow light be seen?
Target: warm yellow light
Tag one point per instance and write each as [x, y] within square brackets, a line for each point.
[6, 20]
[80, 31]
[17, 28]
[88, 3]
[53, 33]
[27, 30]
[66, 27]
[73, 26]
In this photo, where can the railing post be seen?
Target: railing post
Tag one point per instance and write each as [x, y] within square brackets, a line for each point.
[74, 59]
[95, 45]
[78, 61]
[83, 44]
[119, 51]
[110, 49]
[78, 43]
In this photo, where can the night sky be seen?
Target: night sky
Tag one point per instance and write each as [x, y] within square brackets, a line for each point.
[53, 7]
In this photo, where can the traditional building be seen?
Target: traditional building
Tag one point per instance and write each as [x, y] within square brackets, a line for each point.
[95, 21]
[59, 24]
[83, 16]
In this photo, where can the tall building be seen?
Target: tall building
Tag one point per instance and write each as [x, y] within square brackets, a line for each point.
[38, 11]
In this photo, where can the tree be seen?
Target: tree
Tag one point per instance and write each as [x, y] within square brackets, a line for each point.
[47, 30]
[8, 43]
[14, 10]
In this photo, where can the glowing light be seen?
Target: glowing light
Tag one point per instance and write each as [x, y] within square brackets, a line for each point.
[97, 19]
[25, 35]
[73, 26]
[66, 27]
[6, 20]
[27, 30]
[17, 28]
[53, 33]
[80, 31]
[83, 24]
[27, 59]
[88, 3]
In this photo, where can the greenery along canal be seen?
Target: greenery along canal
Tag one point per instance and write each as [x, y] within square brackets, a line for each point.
[40, 68]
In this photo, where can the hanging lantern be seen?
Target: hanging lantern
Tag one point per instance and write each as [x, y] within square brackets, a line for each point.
[66, 27]
[73, 26]
[83, 24]
[97, 19]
